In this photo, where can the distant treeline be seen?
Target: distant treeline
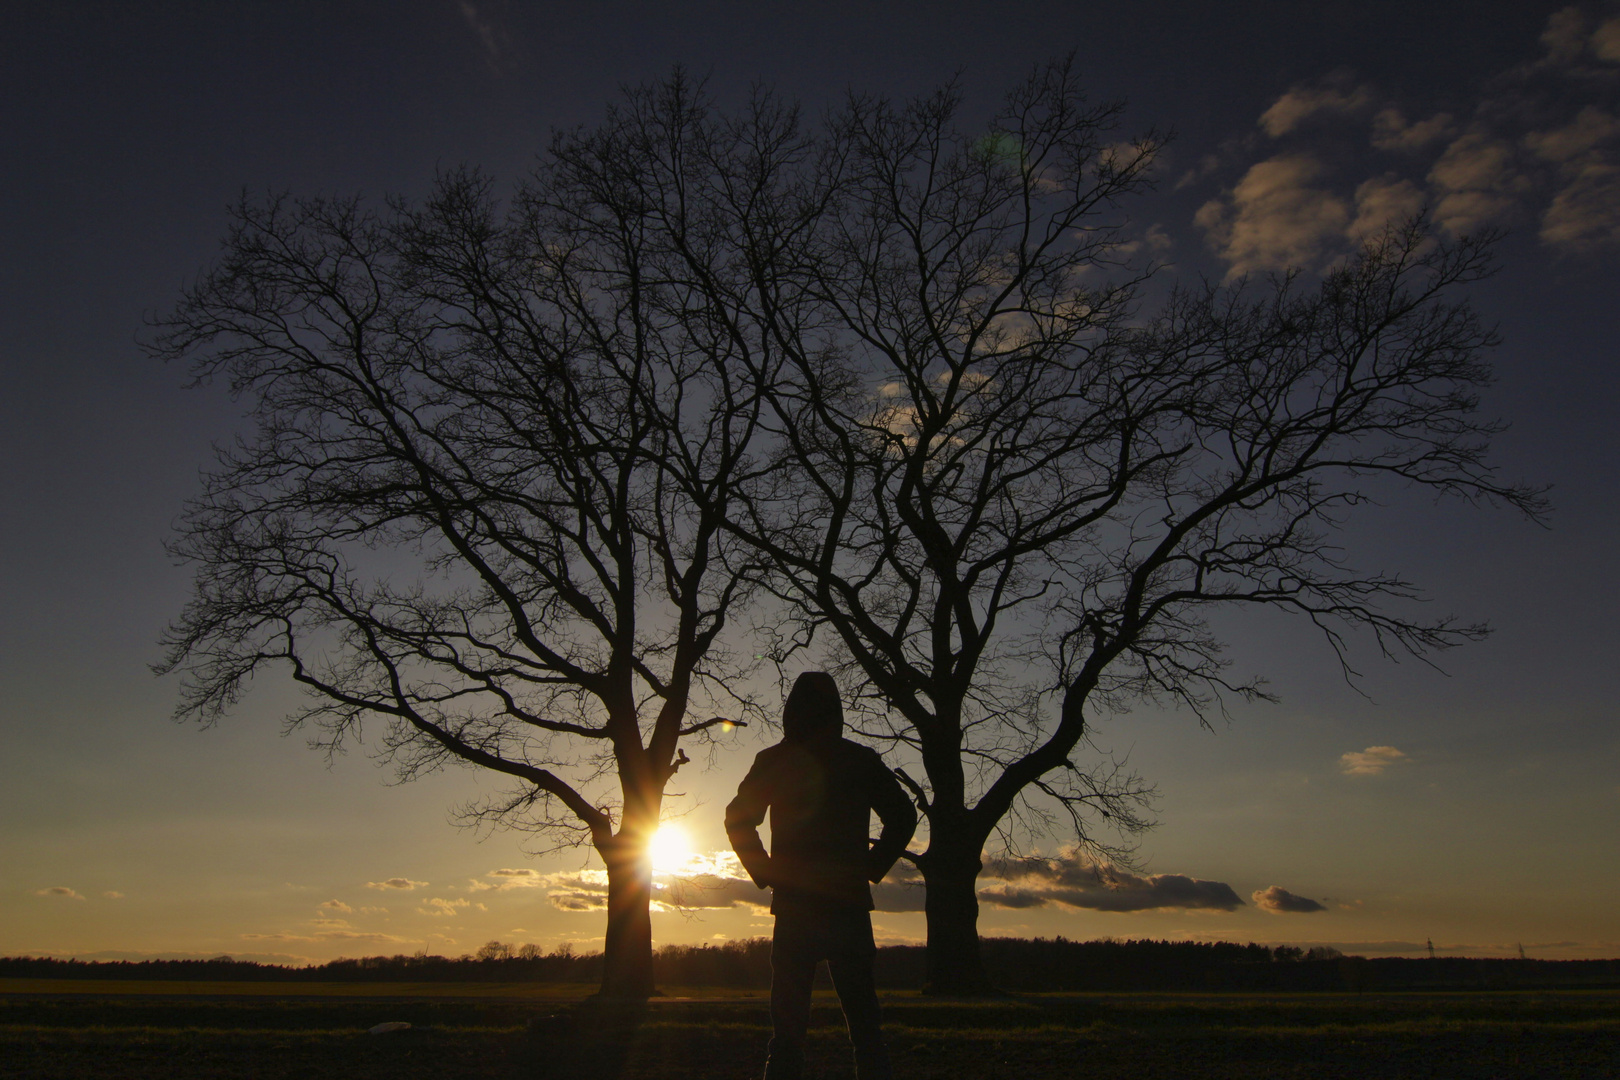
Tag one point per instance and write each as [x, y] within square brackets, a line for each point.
[1018, 964]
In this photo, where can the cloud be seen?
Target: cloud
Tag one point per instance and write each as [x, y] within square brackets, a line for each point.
[508, 879]
[1565, 35]
[59, 890]
[716, 880]
[578, 901]
[711, 891]
[900, 892]
[1391, 131]
[397, 883]
[1154, 240]
[328, 935]
[288, 959]
[1585, 215]
[1275, 217]
[491, 36]
[1381, 202]
[1279, 900]
[439, 907]
[1067, 880]
[1333, 96]
[1590, 128]
[1606, 41]
[1074, 881]
[1371, 761]
[335, 905]
[1477, 181]
[113, 894]
[1541, 141]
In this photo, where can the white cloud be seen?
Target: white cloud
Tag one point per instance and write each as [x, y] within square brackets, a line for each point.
[1333, 96]
[1371, 761]
[442, 908]
[396, 883]
[59, 890]
[1275, 217]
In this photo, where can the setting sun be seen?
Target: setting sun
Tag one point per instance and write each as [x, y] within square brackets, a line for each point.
[669, 849]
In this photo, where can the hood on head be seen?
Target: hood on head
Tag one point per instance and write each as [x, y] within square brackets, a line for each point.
[812, 709]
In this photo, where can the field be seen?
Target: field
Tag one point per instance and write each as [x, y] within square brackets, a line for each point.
[55, 1029]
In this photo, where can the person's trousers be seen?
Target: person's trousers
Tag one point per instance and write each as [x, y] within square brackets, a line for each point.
[843, 937]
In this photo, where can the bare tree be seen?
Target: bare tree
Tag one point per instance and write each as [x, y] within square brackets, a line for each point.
[484, 496]
[1006, 501]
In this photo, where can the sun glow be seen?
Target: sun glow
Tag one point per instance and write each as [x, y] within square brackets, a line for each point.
[669, 849]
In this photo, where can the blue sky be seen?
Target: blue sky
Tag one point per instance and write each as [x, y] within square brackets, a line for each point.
[1478, 808]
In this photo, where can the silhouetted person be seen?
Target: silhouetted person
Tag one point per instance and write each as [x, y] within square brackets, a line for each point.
[820, 789]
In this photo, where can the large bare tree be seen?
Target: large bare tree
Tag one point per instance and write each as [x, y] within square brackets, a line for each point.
[1006, 500]
[482, 500]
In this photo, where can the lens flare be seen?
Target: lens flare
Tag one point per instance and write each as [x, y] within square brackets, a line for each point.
[669, 849]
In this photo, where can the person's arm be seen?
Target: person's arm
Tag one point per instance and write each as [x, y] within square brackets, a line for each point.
[899, 819]
[743, 818]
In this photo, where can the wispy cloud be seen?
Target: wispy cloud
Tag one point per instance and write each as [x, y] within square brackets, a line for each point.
[506, 878]
[1279, 900]
[397, 883]
[335, 905]
[1371, 761]
[1335, 95]
[1391, 131]
[442, 908]
[489, 30]
[59, 890]
[113, 894]
[328, 935]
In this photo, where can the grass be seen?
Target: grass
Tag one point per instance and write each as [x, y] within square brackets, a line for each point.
[511, 1031]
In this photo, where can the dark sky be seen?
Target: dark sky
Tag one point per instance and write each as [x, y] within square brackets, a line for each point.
[128, 129]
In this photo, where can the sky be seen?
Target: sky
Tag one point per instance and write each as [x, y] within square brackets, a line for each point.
[1477, 807]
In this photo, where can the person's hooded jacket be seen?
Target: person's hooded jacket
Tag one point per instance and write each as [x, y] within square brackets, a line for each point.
[820, 790]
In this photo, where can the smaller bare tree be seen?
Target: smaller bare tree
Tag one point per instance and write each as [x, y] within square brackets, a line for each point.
[485, 494]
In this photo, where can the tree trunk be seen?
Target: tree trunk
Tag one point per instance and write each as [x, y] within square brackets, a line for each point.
[955, 967]
[627, 950]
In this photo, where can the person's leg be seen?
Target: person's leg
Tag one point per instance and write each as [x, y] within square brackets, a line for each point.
[793, 971]
[851, 968]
